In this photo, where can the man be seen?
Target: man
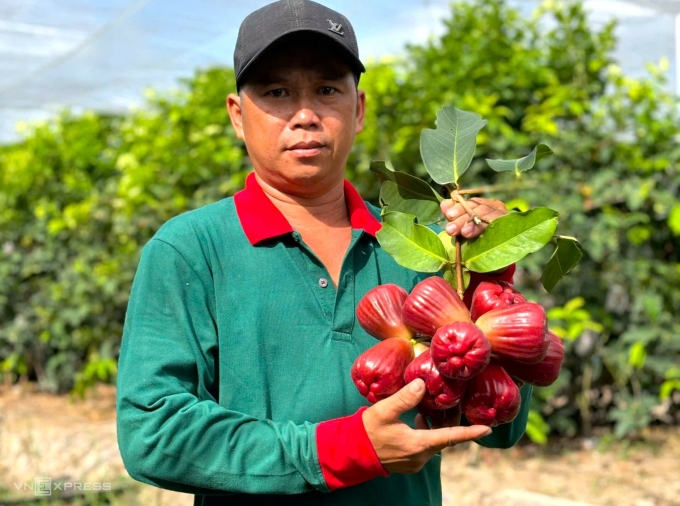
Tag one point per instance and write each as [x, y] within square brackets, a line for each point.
[234, 378]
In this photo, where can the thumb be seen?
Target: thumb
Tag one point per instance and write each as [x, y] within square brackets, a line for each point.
[405, 399]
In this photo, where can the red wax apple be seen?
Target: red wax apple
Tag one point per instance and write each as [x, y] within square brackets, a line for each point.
[379, 312]
[441, 393]
[447, 418]
[432, 304]
[543, 373]
[517, 332]
[379, 371]
[460, 350]
[492, 397]
[491, 295]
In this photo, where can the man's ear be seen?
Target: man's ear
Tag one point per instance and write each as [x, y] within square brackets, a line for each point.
[235, 113]
[361, 110]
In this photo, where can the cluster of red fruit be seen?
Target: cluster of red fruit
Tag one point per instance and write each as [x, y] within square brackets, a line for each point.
[475, 358]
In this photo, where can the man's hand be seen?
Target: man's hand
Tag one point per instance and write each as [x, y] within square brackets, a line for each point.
[402, 449]
[460, 221]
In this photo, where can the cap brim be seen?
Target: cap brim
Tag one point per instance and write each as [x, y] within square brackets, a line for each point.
[350, 58]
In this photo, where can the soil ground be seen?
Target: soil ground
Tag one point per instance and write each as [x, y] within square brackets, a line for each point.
[75, 441]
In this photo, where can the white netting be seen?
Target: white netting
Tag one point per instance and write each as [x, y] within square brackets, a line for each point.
[101, 54]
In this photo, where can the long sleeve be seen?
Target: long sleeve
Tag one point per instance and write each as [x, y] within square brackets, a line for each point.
[172, 432]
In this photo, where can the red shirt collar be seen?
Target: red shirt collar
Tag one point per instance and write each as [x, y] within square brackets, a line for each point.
[261, 219]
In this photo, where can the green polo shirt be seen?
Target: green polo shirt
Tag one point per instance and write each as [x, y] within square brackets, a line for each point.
[237, 345]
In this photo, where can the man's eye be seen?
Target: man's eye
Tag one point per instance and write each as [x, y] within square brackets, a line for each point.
[277, 93]
[327, 90]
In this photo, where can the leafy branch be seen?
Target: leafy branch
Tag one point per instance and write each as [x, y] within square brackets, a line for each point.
[410, 205]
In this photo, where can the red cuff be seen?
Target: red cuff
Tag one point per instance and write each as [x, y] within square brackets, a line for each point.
[476, 278]
[346, 455]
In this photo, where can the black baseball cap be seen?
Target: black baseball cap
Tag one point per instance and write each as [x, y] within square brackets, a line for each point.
[289, 18]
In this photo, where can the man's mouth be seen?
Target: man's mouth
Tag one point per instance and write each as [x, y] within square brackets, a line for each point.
[305, 149]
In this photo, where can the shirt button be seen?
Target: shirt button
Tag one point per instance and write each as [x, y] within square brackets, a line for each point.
[323, 282]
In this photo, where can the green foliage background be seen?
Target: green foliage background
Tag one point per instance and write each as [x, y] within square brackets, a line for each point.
[80, 196]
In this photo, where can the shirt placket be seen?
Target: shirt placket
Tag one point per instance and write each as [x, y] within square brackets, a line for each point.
[337, 303]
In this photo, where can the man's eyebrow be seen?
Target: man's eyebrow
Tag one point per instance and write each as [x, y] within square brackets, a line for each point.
[327, 74]
[267, 79]
[332, 73]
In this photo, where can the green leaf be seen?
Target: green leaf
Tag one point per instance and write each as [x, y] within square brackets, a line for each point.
[449, 245]
[410, 187]
[510, 238]
[674, 219]
[450, 276]
[521, 164]
[574, 304]
[637, 355]
[644, 335]
[667, 388]
[448, 150]
[392, 199]
[412, 246]
[520, 204]
[537, 429]
[449, 269]
[672, 373]
[653, 304]
[566, 256]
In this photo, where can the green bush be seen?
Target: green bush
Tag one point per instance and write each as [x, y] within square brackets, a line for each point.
[80, 196]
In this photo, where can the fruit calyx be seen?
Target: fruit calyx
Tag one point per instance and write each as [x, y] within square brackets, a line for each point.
[460, 350]
[440, 393]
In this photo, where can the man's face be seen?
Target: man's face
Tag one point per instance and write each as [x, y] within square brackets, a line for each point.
[298, 113]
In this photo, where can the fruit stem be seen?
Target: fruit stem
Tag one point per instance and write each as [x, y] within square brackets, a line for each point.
[454, 190]
[459, 269]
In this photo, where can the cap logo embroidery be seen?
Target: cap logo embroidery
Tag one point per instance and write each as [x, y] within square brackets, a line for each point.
[335, 27]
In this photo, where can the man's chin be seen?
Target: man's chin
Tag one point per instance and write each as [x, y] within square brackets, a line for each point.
[307, 178]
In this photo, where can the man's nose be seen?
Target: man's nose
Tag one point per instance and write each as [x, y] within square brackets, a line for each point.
[305, 114]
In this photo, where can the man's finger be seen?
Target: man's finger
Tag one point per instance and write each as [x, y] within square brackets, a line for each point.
[497, 206]
[460, 222]
[439, 439]
[457, 212]
[457, 221]
[445, 205]
[472, 230]
[485, 210]
[477, 205]
[407, 398]
[454, 211]
[466, 227]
